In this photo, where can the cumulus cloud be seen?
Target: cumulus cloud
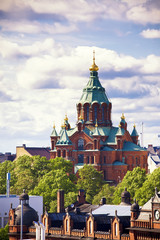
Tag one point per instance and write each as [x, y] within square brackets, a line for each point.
[150, 33]
[77, 11]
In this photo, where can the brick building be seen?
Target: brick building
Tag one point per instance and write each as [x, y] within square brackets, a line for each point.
[82, 220]
[94, 140]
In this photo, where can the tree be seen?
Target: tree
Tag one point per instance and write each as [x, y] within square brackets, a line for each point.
[133, 180]
[148, 189]
[5, 167]
[90, 180]
[107, 192]
[57, 178]
[28, 171]
[4, 233]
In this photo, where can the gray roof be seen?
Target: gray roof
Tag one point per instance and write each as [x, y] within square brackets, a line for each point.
[110, 210]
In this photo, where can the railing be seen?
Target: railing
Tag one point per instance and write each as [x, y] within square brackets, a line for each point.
[56, 231]
[104, 235]
[78, 232]
[140, 224]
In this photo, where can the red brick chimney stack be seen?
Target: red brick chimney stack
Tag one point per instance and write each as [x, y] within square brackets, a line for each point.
[60, 201]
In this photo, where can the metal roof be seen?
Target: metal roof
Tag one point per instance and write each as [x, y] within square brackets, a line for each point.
[110, 210]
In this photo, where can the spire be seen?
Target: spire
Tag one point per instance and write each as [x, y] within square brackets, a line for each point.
[96, 131]
[94, 67]
[54, 132]
[134, 132]
[64, 139]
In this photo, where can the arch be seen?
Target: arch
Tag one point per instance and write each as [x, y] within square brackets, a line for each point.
[89, 146]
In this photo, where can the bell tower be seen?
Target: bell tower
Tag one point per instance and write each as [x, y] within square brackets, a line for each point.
[94, 105]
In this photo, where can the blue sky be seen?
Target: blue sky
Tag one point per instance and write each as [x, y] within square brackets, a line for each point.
[45, 53]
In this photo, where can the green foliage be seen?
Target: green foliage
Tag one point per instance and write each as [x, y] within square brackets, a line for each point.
[133, 180]
[28, 171]
[4, 168]
[107, 192]
[90, 180]
[148, 189]
[4, 233]
[53, 181]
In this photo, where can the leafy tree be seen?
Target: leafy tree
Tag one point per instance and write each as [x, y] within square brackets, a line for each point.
[50, 184]
[4, 168]
[90, 180]
[28, 171]
[4, 233]
[107, 192]
[148, 189]
[133, 180]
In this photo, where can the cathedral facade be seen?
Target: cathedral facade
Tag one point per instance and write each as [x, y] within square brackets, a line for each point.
[94, 140]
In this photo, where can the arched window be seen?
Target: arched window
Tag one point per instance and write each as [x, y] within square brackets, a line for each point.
[59, 153]
[64, 153]
[87, 113]
[90, 227]
[103, 110]
[67, 225]
[95, 144]
[95, 113]
[80, 144]
[92, 159]
[116, 230]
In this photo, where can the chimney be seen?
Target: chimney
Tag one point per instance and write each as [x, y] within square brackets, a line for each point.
[60, 201]
[81, 197]
[103, 201]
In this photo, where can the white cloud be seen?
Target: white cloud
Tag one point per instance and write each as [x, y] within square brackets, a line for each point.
[150, 33]
[144, 14]
[26, 26]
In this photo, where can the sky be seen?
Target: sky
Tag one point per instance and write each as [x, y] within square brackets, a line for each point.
[46, 49]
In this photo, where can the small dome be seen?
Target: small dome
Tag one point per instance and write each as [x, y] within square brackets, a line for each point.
[125, 194]
[29, 215]
[125, 198]
[135, 206]
[24, 196]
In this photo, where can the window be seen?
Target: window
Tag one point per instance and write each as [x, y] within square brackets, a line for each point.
[95, 144]
[95, 113]
[115, 228]
[67, 225]
[64, 153]
[87, 113]
[59, 153]
[87, 159]
[80, 158]
[90, 227]
[92, 159]
[104, 159]
[80, 144]
[103, 113]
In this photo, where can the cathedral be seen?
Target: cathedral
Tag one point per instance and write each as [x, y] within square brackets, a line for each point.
[94, 140]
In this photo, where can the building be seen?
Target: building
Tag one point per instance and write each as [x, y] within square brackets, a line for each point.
[7, 157]
[36, 202]
[145, 222]
[94, 140]
[32, 151]
[153, 158]
[80, 220]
